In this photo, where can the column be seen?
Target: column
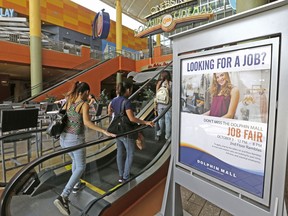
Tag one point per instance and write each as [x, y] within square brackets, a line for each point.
[157, 48]
[118, 27]
[118, 78]
[246, 5]
[158, 40]
[118, 81]
[150, 46]
[35, 47]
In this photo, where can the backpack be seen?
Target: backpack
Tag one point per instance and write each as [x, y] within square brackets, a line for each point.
[162, 95]
[121, 123]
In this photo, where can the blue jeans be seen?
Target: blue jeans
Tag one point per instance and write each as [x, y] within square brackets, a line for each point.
[124, 166]
[78, 159]
[166, 119]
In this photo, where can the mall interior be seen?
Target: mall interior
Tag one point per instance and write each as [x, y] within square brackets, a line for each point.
[48, 45]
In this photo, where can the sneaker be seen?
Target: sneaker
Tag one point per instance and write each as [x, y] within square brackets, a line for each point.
[79, 186]
[139, 144]
[62, 204]
[157, 138]
[120, 179]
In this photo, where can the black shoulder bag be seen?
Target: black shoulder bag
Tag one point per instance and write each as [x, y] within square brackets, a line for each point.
[121, 123]
[57, 124]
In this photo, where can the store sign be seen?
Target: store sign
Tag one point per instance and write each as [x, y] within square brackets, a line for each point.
[101, 25]
[178, 17]
[224, 116]
[155, 65]
[6, 12]
[168, 4]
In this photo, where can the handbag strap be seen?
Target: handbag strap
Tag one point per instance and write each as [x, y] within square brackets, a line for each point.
[62, 107]
[80, 107]
[122, 107]
[75, 106]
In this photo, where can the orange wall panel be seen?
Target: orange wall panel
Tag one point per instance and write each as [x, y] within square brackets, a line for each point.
[56, 3]
[55, 8]
[14, 53]
[20, 54]
[92, 77]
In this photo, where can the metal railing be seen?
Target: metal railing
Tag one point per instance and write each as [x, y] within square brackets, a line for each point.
[15, 184]
[166, 50]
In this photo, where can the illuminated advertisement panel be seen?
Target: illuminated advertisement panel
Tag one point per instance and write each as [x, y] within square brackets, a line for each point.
[224, 116]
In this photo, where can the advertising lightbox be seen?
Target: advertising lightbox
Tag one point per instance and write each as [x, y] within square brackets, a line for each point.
[224, 116]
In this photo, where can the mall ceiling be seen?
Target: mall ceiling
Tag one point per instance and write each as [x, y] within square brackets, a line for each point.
[136, 9]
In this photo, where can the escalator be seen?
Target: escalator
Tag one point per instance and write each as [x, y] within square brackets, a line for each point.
[33, 189]
[95, 73]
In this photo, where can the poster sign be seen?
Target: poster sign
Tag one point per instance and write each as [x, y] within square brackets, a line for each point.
[224, 116]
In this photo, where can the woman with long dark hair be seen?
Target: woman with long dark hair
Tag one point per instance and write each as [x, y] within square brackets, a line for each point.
[164, 81]
[78, 116]
[125, 143]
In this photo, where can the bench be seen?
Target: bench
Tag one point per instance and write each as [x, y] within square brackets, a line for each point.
[15, 126]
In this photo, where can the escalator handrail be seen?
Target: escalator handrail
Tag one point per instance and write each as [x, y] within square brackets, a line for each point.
[40, 129]
[101, 118]
[69, 78]
[151, 163]
[138, 90]
[150, 80]
[22, 133]
[43, 83]
[27, 168]
[59, 77]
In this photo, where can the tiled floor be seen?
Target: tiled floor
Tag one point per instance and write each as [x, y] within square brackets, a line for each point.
[197, 206]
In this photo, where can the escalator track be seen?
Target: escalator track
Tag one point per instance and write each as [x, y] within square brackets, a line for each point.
[32, 190]
[32, 194]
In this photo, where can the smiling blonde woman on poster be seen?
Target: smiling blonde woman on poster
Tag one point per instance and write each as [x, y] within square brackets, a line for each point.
[225, 96]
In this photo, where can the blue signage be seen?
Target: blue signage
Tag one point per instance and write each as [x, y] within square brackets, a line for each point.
[6, 12]
[109, 50]
[232, 4]
[101, 25]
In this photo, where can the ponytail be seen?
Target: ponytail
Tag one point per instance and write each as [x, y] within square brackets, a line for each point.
[122, 87]
[77, 88]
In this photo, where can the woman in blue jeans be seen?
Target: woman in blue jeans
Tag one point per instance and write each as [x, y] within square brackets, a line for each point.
[165, 81]
[78, 116]
[125, 143]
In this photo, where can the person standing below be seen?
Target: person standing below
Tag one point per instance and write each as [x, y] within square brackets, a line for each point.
[141, 54]
[125, 143]
[77, 110]
[61, 101]
[92, 102]
[91, 99]
[166, 82]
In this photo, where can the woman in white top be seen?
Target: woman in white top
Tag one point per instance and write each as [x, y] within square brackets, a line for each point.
[165, 80]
